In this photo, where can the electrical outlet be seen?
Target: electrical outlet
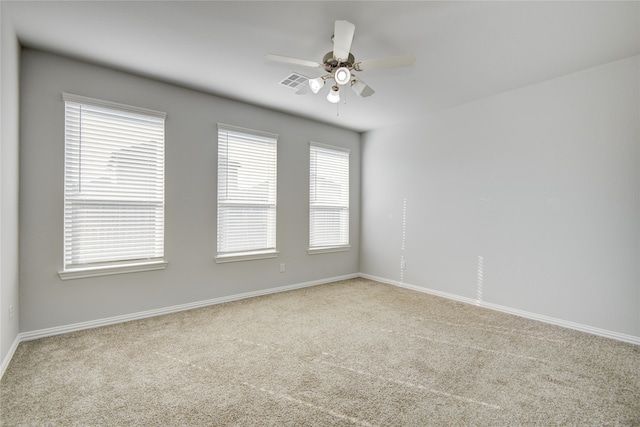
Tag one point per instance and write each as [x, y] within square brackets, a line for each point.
[282, 267]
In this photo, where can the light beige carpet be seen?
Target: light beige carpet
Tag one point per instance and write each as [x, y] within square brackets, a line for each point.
[350, 353]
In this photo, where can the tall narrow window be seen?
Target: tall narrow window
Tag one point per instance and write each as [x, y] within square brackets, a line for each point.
[113, 188]
[247, 166]
[328, 198]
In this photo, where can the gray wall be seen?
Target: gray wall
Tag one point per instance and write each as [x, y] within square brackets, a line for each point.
[542, 182]
[9, 125]
[190, 228]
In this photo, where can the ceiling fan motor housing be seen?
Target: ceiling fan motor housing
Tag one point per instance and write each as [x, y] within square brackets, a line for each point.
[331, 64]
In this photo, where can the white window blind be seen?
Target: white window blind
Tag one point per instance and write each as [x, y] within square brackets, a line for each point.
[329, 197]
[247, 168]
[114, 184]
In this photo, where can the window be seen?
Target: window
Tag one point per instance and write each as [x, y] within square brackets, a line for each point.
[113, 188]
[247, 165]
[328, 198]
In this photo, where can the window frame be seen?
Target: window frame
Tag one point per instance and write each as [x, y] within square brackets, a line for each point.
[341, 247]
[256, 252]
[71, 270]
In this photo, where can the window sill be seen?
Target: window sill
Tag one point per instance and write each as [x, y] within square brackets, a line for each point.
[245, 256]
[106, 270]
[328, 249]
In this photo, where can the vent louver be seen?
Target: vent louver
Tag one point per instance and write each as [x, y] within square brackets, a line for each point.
[294, 81]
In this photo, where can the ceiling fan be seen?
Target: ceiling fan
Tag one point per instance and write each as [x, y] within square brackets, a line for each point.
[340, 64]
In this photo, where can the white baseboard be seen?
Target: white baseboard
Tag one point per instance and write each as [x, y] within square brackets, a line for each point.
[48, 332]
[9, 356]
[528, 315]
[43, 333]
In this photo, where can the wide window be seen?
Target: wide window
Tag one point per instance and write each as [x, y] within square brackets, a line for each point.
[247, 169]
[328, 198]
[113, 188]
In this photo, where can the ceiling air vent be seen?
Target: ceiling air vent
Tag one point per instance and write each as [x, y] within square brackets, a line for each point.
[294, 81]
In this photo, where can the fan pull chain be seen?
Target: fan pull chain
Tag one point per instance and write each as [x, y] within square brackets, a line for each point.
[344, 97]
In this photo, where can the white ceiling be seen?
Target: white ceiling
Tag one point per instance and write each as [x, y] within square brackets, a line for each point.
[464, 50]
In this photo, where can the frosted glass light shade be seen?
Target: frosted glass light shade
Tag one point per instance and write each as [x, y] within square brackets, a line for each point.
[342, 75]
[316, 84]
[361, 88]
[334, 95]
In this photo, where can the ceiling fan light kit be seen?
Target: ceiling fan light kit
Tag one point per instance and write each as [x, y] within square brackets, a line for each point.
[340, 64]
[360, 88]
[316, 84]
[342, 76]
[334, 95]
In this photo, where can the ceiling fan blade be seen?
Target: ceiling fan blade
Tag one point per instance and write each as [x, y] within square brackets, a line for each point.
[342, 38]
[361, 88]
[294, 61]
[390, 62]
